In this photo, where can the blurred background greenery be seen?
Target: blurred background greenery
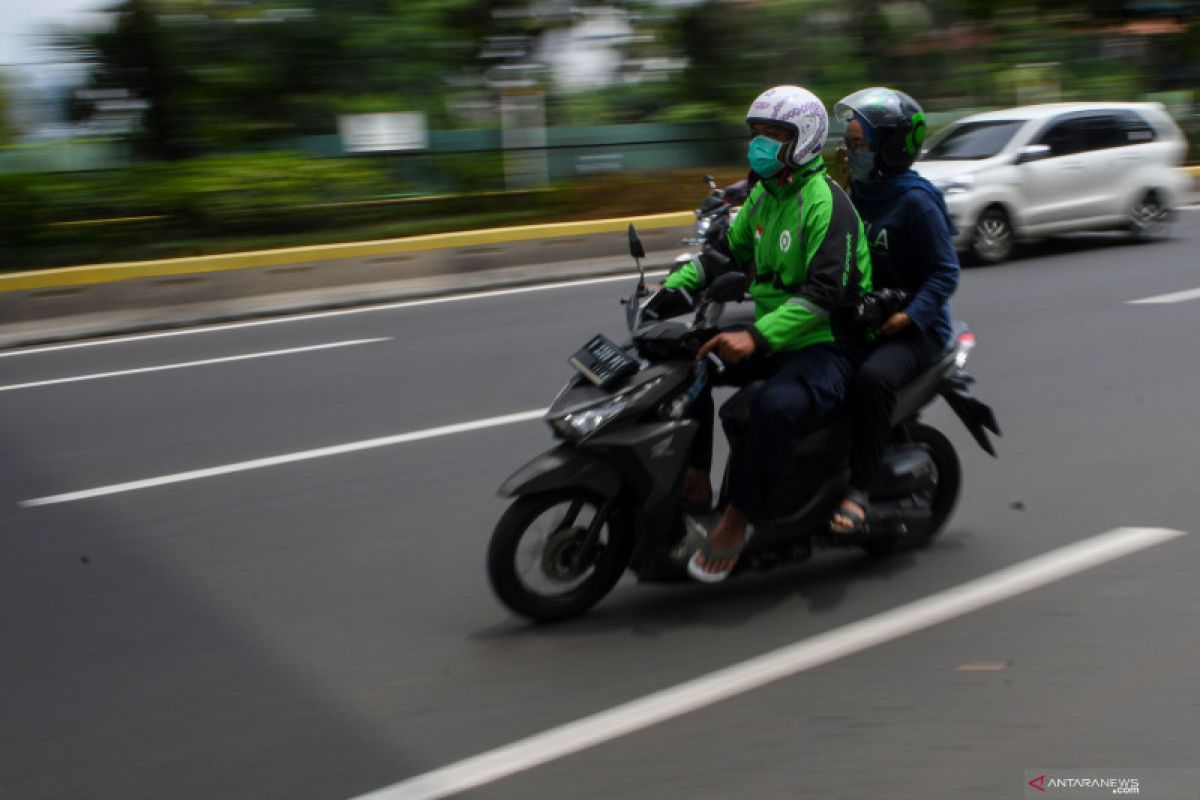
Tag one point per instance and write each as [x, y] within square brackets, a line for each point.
[208, 125]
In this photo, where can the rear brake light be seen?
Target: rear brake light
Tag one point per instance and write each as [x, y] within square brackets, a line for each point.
[963, 346]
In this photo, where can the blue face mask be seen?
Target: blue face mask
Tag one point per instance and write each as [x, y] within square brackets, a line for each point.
[862, 164]
[764, 156]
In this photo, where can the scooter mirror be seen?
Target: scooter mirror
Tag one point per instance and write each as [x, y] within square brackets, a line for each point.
[635, 243]
[728, 288]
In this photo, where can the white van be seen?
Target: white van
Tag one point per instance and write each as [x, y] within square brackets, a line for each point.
[1035, 171]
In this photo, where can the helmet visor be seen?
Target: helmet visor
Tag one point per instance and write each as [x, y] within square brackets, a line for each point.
[879, 106]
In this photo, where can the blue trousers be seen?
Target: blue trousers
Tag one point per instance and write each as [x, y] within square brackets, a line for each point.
[800, 386]
[894, 361]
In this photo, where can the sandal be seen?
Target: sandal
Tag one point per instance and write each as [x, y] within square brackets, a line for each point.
[858, 521]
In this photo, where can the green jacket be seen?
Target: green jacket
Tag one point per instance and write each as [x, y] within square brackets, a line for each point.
[811, 258]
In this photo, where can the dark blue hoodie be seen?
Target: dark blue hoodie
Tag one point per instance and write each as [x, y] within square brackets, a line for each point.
[910, 234]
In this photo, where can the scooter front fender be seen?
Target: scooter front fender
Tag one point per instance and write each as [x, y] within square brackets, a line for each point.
[562, 467]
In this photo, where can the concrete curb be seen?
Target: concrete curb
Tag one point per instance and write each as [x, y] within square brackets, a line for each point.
[52, 313]
[92, 274]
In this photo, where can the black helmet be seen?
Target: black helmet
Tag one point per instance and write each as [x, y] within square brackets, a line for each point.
[896, 125]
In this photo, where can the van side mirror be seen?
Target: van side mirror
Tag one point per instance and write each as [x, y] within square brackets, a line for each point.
[1033, 152]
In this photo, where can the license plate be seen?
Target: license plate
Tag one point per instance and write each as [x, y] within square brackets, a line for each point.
[602, 362]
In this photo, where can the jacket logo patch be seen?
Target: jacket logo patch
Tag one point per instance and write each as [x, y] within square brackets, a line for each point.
[785, 241]
[880, 242]
[758, 232]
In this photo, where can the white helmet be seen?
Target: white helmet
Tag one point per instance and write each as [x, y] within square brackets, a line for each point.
[799, 109]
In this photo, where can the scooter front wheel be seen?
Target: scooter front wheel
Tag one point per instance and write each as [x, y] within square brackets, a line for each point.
[554, 555]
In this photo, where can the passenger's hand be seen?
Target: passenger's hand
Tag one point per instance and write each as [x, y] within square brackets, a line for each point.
[731, 346]
[896, 323]
[841, 165]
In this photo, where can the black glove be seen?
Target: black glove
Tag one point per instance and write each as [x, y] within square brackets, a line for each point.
[877, 307]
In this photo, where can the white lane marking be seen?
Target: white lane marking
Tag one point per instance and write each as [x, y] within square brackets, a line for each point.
[367, 309]
[785, 662]
[185, 364]
[286, 458]
[1173, 297]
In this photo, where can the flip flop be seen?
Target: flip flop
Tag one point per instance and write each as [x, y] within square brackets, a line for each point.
[697, 571]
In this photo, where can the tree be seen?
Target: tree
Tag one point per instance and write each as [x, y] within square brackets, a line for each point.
[6, 122]
[231, 76]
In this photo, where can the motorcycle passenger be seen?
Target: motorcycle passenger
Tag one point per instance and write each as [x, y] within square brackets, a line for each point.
[811, 265]
[909, 231]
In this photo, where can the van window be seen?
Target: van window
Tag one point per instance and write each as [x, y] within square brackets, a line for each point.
[1134, 129]
[971, 141]
[1080, 133]
[1103, 131]
[1065, 137]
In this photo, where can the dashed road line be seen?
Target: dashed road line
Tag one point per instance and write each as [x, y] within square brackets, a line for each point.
[286, 458]
[1173, 297]
[95, 376]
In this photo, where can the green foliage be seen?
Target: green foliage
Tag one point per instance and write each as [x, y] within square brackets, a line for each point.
[221, 77]
[6, 128]
[230, 192]
[218, 196]
[225, 77]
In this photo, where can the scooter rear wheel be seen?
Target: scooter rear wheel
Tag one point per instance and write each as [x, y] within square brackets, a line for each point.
[941, 500]
[535, 559]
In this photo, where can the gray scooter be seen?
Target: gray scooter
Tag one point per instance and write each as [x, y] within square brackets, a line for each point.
[606, 498]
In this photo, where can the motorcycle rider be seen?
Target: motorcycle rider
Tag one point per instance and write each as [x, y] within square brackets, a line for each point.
[811, 265]
[909, 231]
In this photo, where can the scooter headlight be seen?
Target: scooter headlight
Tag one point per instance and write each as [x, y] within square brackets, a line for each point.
[584, 422]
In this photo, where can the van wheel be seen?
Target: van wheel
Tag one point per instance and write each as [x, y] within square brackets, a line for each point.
[1149, 218]
[992, 239]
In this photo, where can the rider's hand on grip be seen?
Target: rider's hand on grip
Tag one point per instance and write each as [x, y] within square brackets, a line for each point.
[731, 346]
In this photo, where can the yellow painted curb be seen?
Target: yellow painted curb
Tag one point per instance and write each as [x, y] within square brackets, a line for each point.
[122, 271]
[129, 270]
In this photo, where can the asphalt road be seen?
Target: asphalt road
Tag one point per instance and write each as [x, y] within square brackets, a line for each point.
[321, 626]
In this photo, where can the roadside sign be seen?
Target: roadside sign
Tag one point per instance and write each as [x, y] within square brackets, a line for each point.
[382, 133]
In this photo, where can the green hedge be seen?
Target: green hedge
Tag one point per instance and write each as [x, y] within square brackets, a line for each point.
[227, 204]
[41, 213]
